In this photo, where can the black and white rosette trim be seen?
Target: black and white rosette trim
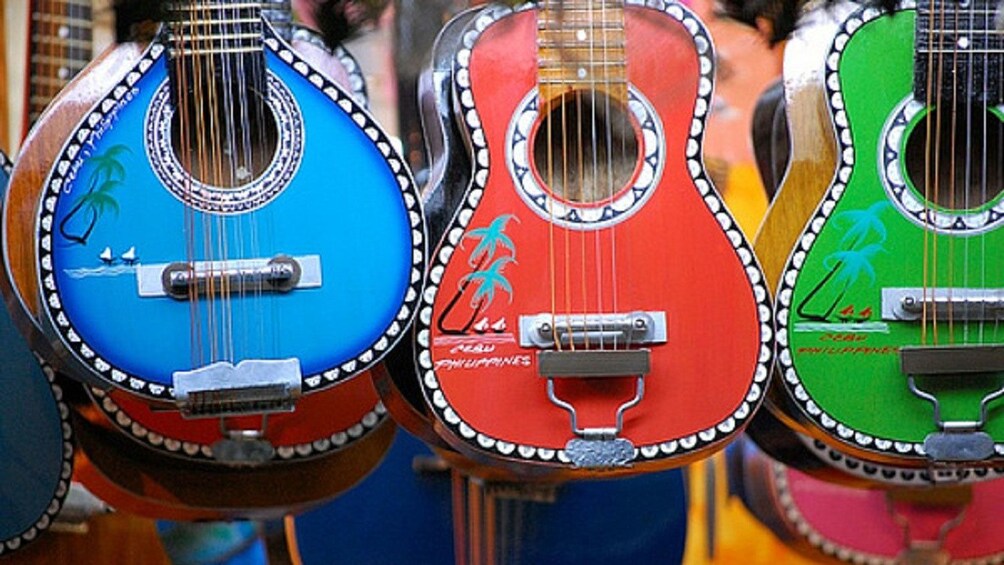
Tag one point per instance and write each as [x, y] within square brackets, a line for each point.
[806, 531]
[675, 448]
[103, 113]
[585, 216]
[898, 476]
[65, 472]
[907, 201]
[216, 199]
[791, 379]
[193, 450]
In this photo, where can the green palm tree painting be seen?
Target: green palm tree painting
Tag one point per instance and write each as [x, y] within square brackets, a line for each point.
[846, 267]
[107, 174]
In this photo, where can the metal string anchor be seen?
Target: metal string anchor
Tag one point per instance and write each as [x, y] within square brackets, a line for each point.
[596, 448]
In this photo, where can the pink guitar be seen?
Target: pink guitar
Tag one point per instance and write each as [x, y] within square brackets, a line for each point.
[916, 525]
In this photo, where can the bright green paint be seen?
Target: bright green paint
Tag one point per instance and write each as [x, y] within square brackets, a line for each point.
[875, 247]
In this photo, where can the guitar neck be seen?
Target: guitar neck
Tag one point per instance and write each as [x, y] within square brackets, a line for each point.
[59, 46]
[958, 52]
[581, 46]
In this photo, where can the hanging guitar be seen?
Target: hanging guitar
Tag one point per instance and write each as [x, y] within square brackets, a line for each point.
[35, 436]
[35, 432]
[322, 423]
[645, 518]
[892, 289]
[946, 524]
[183, 159]
[565, 326]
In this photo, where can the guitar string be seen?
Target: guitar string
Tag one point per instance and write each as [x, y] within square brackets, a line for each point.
[926, 259]
[595, 176]
[185, 150]
[544, 107]
[608, 130]
[952, 152]
[583, 182]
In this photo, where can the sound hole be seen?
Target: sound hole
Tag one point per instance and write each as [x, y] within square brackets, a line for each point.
[960, 164]
[585, 149]
[223, 131]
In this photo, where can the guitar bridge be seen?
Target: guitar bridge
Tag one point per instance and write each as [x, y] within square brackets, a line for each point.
[959, 304]
[187, 281]
[252, 387]
[546, 330]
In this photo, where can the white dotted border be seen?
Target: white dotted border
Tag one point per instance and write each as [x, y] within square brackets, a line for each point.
[193, 450]
[800, 526]
[82, 352]
[894, 475]
[906, 201]
[65, 475]
[430, 384]
[576, 215]
[793, 383]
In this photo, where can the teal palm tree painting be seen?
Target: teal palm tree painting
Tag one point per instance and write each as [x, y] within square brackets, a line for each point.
[864, 234]
[108, 173]
[490, 238]
[488, 281]
[861, 223]
[482, 283]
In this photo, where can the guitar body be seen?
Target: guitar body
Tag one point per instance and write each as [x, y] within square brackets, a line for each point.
[124, 145]
[35, 437]
[668, 235]
[822, 520]
[322, 422]
[839, 329]
[150, 483]
[643, 518]
[449, 174]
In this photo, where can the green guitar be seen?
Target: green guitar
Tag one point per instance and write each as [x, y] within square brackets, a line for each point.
[891, 305]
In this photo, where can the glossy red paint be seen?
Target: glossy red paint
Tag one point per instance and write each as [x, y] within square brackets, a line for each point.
[671, 255]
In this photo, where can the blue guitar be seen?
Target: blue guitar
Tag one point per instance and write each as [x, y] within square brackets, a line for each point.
[35, 437]
[226, 229]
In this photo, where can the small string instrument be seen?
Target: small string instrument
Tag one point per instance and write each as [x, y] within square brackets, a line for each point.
[194, 259]
[322, 423]
[891, 289]
[933, 524]
[35, 437]
[566, 326]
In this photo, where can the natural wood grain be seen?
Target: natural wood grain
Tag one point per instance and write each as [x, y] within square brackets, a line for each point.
[113, 538]
[813, 153]
[35, 160]
[144, 482]
[4, 106]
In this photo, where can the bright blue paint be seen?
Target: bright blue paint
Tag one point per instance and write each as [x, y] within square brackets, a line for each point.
[31, 436]
[344, 204]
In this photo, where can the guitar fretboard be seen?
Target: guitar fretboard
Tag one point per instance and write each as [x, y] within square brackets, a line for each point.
[214, 28]
[581, 45]
[60, 47]
[958, 51]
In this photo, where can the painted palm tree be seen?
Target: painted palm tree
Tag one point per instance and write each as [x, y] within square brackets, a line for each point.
[487, 283]
[490, 238]
[861, 223]
[107, 174]
[844, 269]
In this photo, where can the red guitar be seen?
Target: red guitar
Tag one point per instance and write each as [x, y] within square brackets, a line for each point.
[592, 304]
